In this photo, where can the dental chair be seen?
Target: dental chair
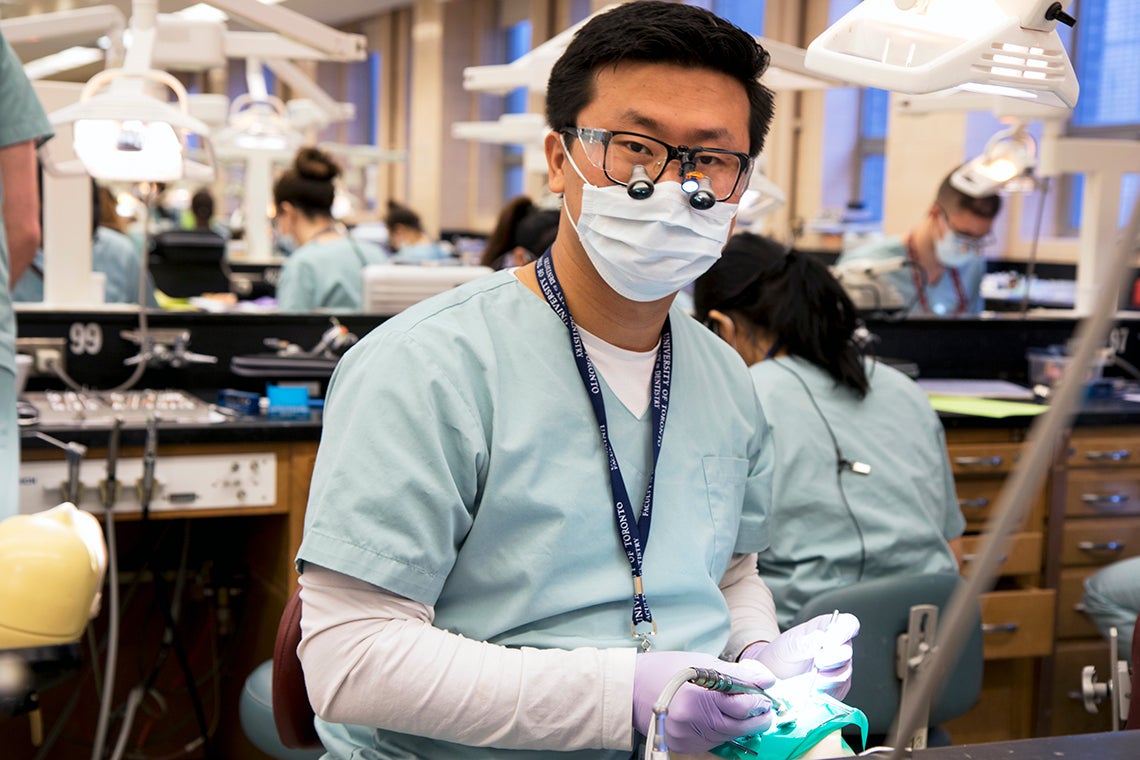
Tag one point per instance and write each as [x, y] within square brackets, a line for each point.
[275, 712]
[896, 616]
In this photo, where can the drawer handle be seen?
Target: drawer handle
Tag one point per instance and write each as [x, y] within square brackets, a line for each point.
[1106, 499]
[1079, 607]
[978, 461]
[972, 557]
[1100, 546]
[1112, 456]
[974, 503]
[999, 627]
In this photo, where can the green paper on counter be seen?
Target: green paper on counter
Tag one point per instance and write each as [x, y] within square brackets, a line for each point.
[985, 407]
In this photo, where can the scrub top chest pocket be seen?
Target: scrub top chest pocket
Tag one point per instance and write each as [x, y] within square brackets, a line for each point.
[725, 479]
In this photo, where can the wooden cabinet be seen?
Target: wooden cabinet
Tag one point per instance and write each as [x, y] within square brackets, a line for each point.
[1017, 616]
[237, 565]
[1095, 520]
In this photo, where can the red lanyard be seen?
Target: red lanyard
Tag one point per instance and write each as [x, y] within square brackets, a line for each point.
[918, 284]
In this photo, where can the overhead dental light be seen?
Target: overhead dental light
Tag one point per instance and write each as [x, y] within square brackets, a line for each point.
[122, 132]
[259, 124]
[1000, 47]
[1007, 164]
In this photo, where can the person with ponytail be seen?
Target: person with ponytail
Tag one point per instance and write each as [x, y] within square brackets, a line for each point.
[863, 487]
[324, 272]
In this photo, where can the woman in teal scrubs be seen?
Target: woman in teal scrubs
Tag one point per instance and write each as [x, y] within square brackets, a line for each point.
[324, 272]
[862, 483]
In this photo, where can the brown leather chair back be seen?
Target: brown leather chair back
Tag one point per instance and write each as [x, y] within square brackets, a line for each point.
[292, 712]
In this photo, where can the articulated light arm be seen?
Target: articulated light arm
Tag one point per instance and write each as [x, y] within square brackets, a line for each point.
[333, 44]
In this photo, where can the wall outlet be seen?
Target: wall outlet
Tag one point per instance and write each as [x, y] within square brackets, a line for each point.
[45, 353]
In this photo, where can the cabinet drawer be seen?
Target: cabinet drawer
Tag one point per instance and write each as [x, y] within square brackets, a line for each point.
[1018, 623]
[1103, 450]
[1072, 623]
[983, 458]
[1069, 715]
[1100, 541]
[1103, 493]
[977, 498]
[1022, 555]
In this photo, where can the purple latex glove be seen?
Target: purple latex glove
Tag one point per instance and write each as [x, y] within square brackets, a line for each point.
[817, 643]
[700, 719]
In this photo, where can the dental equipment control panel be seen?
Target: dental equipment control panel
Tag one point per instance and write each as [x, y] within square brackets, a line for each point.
[91, 409]
[181, 482]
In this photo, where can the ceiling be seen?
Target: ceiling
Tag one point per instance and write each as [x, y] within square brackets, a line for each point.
[332, 12]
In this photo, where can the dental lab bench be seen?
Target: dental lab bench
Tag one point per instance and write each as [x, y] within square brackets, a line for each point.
[228, 511]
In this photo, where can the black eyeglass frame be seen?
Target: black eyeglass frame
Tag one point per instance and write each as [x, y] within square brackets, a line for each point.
[681, 153]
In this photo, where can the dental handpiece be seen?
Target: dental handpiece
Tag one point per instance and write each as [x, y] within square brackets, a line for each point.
[714, 680]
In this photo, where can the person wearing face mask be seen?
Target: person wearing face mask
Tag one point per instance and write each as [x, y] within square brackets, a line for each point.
[863, 486]
[494, 574]
[945, 254]
[324, 272]
[410, 244]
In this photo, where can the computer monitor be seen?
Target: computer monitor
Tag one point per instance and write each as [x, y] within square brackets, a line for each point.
[391, 288]
[187, 263]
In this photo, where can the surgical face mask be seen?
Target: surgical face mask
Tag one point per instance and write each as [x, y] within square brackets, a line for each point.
[955, 251]
[649, 249]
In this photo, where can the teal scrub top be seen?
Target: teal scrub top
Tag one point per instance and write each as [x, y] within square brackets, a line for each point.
[113, 254]
[22, 118]
[942, 296]
[326, 275]
[1112, 598]
[461, 466]
[900, 516]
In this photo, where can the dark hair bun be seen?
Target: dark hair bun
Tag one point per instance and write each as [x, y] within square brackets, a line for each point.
[315, 164]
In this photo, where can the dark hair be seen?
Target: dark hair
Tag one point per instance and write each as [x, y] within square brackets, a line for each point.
[202, 206]
[791, 295]
[951, 199]
[308, 184]
[402, 216]
[521, 223]
[652, 31]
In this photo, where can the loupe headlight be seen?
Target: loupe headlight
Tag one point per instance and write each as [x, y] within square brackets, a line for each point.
[640, 186]
[699, 188]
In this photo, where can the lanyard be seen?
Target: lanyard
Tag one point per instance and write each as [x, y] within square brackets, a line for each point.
[634, 531]
[954, 278]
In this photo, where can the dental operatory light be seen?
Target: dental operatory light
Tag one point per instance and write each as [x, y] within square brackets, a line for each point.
[259, 124]
[1000, 47]
[124, 132]
[1007, 164]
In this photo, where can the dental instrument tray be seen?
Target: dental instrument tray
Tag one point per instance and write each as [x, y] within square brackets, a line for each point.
[100, 409]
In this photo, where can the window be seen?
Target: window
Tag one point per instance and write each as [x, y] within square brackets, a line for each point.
[514, 178]
[1105, 49]
[855, 130]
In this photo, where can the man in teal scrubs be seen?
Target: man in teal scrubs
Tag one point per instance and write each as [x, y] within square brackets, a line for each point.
[943, 255]
[23, 124]
[539, 496]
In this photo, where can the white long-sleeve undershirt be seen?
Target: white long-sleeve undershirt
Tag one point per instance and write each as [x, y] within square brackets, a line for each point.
[374, 658]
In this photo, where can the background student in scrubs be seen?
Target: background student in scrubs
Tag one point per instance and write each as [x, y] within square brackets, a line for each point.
[945, 252]
[862, 486]
[1112, 598]
[324, 272]
[23, 124]
[480, 576]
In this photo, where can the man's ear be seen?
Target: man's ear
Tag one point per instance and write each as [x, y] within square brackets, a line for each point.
[555, 162]
[724, 325]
